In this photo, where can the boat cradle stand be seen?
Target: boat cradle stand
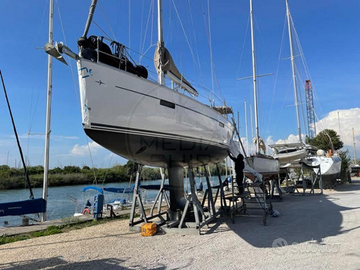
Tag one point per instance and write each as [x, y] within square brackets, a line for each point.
[203, 212]
[306, 176]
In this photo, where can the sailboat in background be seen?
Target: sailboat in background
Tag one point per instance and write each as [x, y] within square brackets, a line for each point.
[33, 205]
[267, 166]
[291, 153]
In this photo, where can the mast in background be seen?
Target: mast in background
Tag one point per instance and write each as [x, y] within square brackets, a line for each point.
[293, 69]
[310, 109]
[161, 77]
[48, 108]
[246, 128]
[355, 161]
[254, 80]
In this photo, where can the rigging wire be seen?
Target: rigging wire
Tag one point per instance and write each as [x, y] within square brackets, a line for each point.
[27, 179]
[107, 21]
[101, 30]
[118, 9]
[306, 68]
[142, 42]
[210, 45]
[300, 97]
[91, 160]
[277, 71]
[186, 38]
[195, 41]
[69, 60]
[106, 171]
[207, 25]
[75, 88]
[129, 23]
[33, 109]
[243, 46]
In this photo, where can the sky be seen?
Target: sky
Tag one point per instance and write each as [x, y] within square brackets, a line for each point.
[328, 31]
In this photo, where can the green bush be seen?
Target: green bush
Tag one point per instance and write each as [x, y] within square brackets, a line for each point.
[13, 178]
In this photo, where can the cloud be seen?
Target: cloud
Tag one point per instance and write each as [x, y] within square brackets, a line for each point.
[7, 143]
[290, 139]
[42, 137]
[250, 147]
[83, 150]
[342, 121]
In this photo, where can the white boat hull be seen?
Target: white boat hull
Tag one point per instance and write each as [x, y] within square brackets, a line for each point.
[330, 167]
[290, 153]
[292, 157]
[149, 123]
[265, 165]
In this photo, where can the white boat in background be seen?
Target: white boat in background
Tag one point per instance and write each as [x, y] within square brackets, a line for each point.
[267, 166]
[291, 153]
[330, 167]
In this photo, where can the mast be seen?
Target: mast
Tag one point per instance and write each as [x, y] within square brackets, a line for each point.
[48, 108]
[293, 70]
[355, 161]
[161, 77]
[246, 128]
[90, 16]
[254, 80]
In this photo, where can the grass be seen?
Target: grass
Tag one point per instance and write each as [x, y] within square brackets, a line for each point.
[71, 223]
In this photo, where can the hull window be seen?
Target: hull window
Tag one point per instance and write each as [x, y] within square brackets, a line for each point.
[167, 104]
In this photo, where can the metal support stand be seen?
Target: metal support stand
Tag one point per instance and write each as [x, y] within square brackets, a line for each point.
[137, 199]
[209, 195]
[315, 176]
[196, 206]
[222, 195]
[313, 179]
[192, 216]
[159, 197]
[275, 185]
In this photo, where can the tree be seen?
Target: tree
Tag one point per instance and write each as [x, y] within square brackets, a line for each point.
[71, 169]
[327, 139]
[56, 170]
[345, 163]
[131, 168]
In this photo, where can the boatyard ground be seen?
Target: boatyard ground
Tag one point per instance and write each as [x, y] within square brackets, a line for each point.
[313, 231]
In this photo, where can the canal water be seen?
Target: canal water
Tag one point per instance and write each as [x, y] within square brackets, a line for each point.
[65, 201]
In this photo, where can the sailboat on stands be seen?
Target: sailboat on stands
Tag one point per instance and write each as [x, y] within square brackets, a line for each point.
[139, 119]
[267, 166]
[291, 153]
[145, 121]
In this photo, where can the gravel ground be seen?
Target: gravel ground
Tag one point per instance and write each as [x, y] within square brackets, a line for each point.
[313, 231]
